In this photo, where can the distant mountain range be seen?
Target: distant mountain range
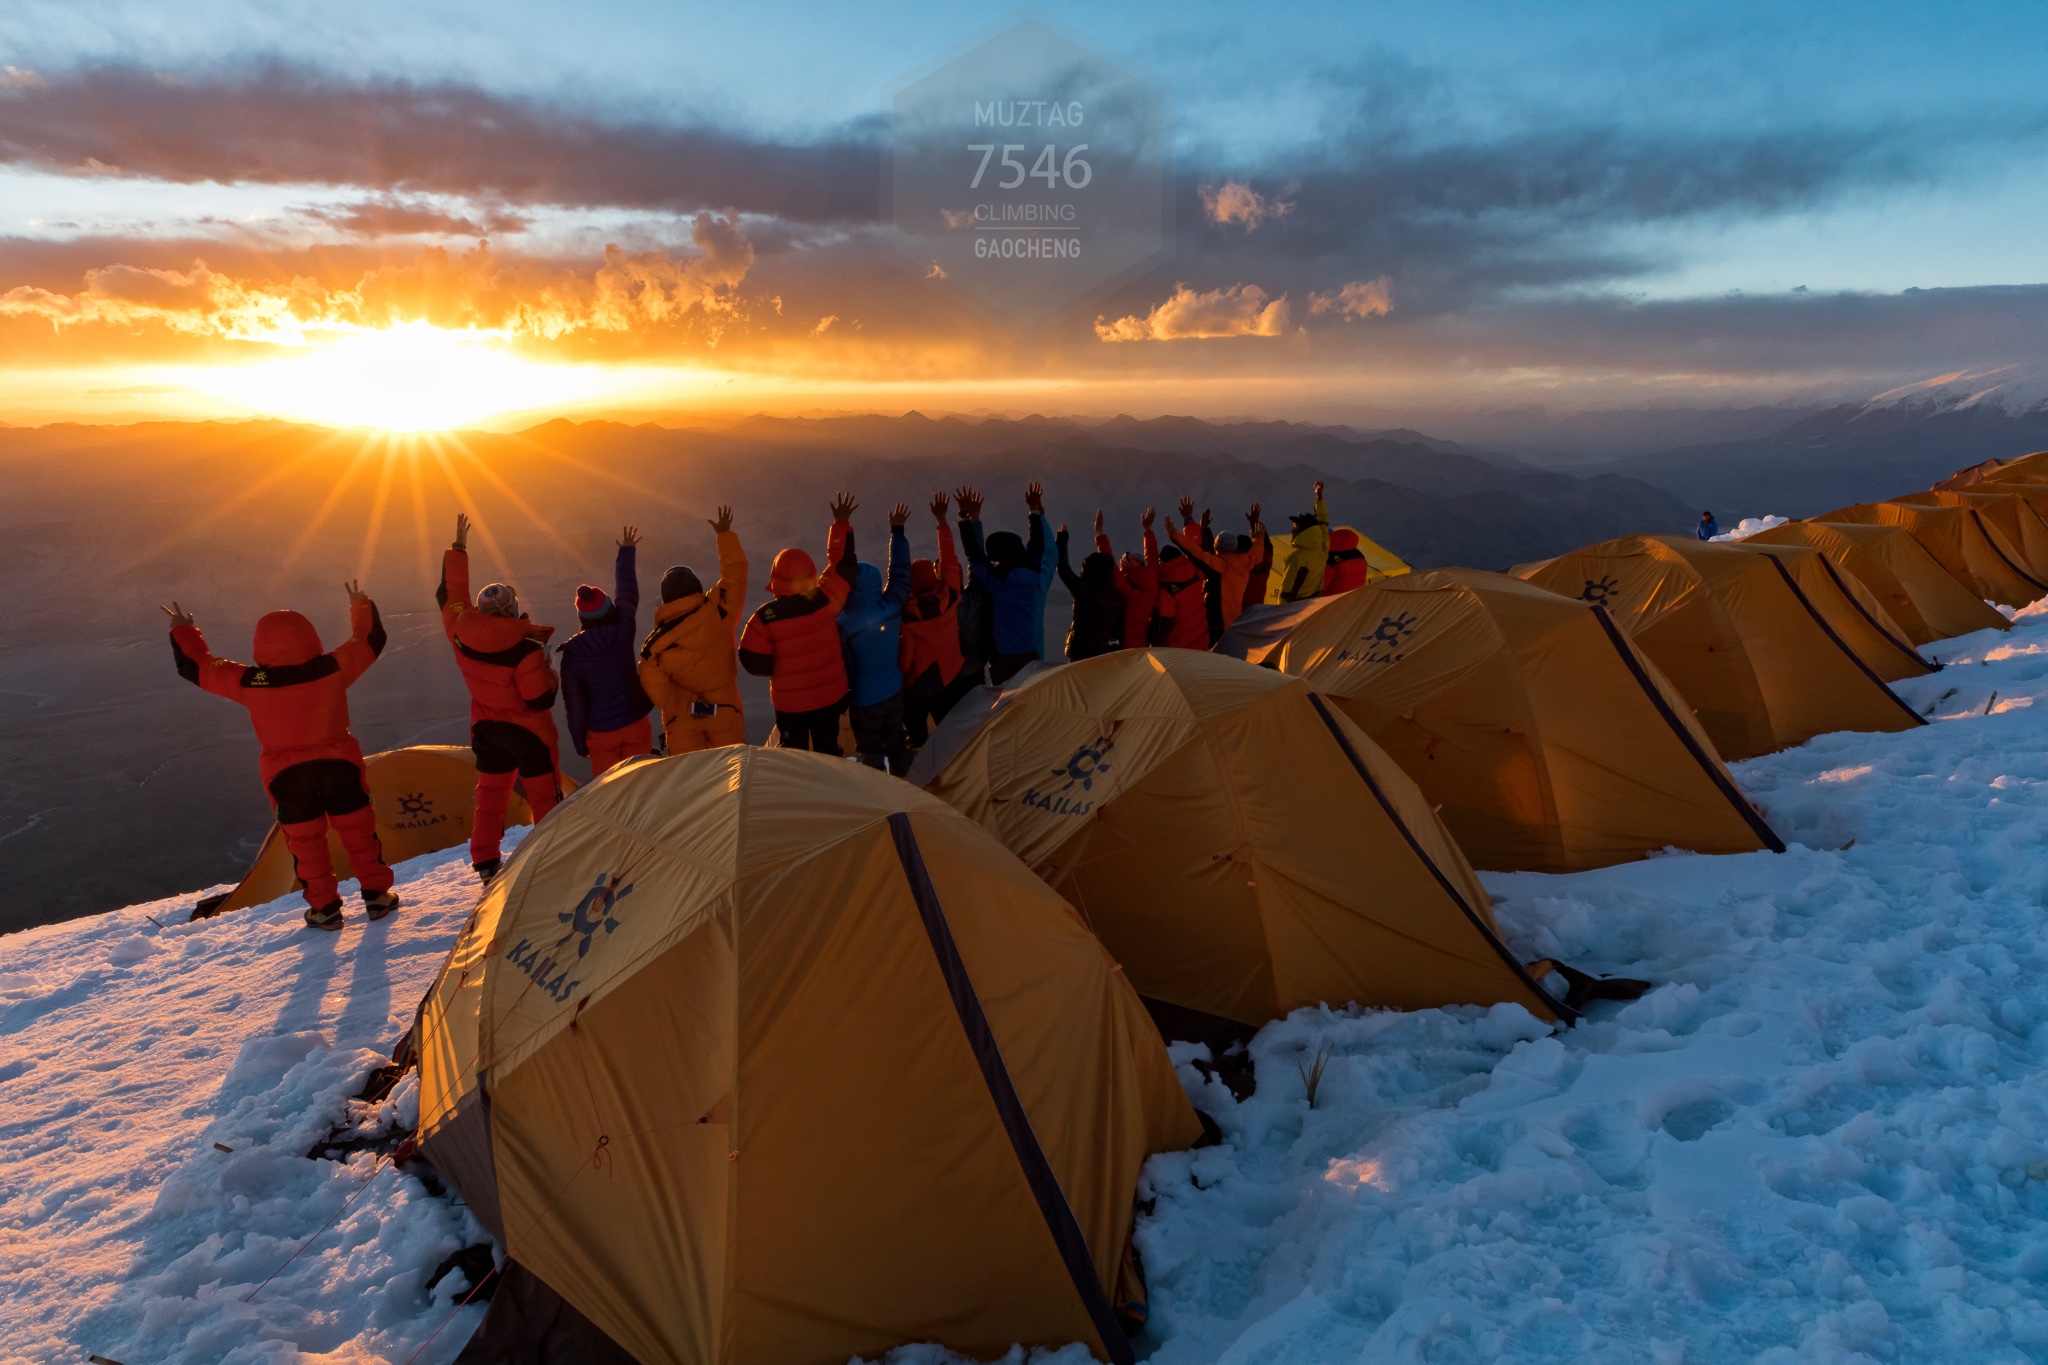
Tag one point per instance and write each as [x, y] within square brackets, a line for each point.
[1854, 452]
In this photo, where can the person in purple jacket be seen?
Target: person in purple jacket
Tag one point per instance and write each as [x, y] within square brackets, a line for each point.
[601, 669]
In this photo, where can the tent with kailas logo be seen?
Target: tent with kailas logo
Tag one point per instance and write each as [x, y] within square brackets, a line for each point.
[1926, 602]
[424, 797]
[1962, 541]
[1240, 846]
[757, 1055]
[1851, 613]
[1735, 634]
[1545, 739]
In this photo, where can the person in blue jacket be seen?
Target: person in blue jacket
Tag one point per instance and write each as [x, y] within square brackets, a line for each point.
[1017, 575]
[871, 626]
[1708, 527]
[601, 669]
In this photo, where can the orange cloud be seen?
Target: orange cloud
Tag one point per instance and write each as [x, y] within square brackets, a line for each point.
[1237, 202]
[472, 290]
[1356, 301]
[1243, 310]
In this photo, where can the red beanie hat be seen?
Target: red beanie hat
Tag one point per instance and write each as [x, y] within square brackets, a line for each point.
[591, 602]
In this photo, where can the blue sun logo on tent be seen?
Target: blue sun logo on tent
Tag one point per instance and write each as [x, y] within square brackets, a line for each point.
[1599, 590]
[595, 912]
[1085, 765]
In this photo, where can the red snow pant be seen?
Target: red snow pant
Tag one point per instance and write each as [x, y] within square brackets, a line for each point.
[505, 751]
[310, 798]
[609, 748]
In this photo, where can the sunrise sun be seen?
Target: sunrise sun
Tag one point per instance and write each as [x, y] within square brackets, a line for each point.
[411, 377]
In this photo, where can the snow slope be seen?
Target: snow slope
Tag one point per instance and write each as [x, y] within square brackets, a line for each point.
[1823, 1137]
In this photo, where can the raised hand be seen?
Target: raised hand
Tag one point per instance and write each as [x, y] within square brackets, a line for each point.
[355, 592]
[1319, 490]
[1251, 514]
[939, 507]
[1187, 509]
[899, 514]
[844, 506]
[1034, 497]
[1098, 521]
[1146, 520]
[970, 502]
[1063, 531]
[629, 536]
[462, 530]
[722, 523]
[179, 616]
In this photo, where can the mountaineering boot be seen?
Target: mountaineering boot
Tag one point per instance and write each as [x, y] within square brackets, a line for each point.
[488, 869]
[380, 903]
[326, 917]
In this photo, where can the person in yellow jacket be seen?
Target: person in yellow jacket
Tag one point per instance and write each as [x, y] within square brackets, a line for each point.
[689, 664]
[1303, 576]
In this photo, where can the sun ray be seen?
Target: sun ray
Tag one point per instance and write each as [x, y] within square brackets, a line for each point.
[191, 530]
[373, 530]
[596, 471]
[480, 523]
[428, 572]
[511, 495]
[319, 518]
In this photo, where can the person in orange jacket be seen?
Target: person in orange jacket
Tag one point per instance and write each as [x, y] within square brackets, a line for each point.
[1137, 578]
[929, 651]
[297, 697]
[504, 662]
[793, 640]
[1232, 565]
[1348, 568]
[689, 663]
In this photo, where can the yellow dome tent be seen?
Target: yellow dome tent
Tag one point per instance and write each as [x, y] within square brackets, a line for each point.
[1735, 634]
[1380, 562]
[2034, 466]
[424, 797]
[1545, 739]
[752, 1055]
[2006, 507]
[1242, 848]
[1849, 610]
[1916, 592]
[1961, 541]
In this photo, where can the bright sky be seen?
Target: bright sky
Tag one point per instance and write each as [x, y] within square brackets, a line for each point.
[1485, 170]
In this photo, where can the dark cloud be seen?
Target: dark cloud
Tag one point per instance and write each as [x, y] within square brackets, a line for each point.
[288, 125]
[392, 217]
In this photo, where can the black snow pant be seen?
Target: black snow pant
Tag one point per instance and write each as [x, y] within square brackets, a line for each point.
[879, 736]
[816, 730]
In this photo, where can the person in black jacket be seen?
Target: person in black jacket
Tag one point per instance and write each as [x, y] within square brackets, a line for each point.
[1098, 606]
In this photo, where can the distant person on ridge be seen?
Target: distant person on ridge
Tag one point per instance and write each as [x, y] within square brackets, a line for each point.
[929, 656]
[1098, 625]
[1708, 527]
[297, 696]
[793, 641]
[1230, 559]
[1137, 577]
[689, 663]
[1017, 575]
[504, 662]
[607, 708]
[1310, 556]
[871, 623]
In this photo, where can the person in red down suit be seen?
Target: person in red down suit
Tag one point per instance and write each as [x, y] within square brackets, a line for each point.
[297, 696]
[1183, 605]
[1138, 580]
[504, 662]
[793, 640]
[1348, 566]
[929, 655]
